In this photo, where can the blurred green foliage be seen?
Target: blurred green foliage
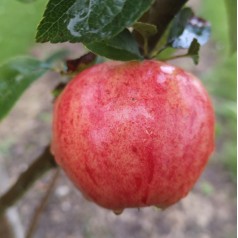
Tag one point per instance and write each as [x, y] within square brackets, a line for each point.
[215, 12]
[206, 188]
[18, 23]
[221, 79]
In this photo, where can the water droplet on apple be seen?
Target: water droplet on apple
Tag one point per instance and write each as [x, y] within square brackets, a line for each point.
[118, 212]
[158, 208]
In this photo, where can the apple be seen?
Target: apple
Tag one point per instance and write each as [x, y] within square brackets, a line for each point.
[133, 134]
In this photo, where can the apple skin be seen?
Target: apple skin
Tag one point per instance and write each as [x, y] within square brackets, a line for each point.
[133, 134]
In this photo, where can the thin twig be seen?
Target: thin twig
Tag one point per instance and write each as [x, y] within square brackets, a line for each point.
[176, 57]
[36, 216]
[38, 168]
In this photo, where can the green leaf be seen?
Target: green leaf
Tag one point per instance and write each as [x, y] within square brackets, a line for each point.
[17, 75]
[145, 29]
[166, 54]
[122, 47]
[186, 27]
[179, 24]
[193, 51]
[88, 21]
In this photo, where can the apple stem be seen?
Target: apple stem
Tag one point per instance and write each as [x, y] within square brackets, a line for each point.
[37, 169]
[146, 46]
[176, 57]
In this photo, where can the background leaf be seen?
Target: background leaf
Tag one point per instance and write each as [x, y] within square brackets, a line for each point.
[88, 21]
[219, 21]
[231, 6]
[18, 23]
[193, 51]
[122, 47]
[186, 27]
[17, 75]
[221, 80]
[179, 24]
[161, 14]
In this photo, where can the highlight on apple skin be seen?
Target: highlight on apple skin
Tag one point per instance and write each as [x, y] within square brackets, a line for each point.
[133, 134]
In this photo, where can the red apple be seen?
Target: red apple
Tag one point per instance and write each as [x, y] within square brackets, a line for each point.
[133, 134]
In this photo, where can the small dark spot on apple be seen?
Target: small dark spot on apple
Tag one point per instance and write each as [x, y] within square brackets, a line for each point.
[133, 99]
[134, 149]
